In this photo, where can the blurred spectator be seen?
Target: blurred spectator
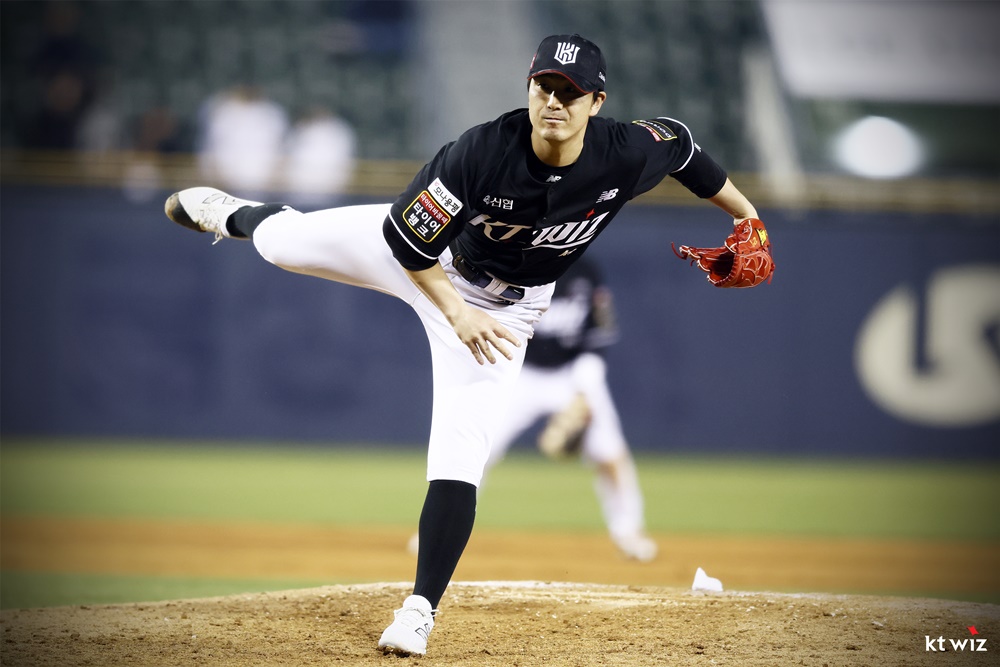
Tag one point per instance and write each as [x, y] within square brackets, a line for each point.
[102, 127]
[57, 120]
[156, 133]
[66, 68]
[321, 156]
[243, 135]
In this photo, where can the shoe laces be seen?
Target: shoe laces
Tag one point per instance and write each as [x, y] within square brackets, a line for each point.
[215, 216]
[218, 229]
[414, 618]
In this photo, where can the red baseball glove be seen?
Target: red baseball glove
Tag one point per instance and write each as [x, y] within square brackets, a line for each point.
[744, 261]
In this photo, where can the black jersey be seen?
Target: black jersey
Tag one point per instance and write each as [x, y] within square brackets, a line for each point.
[580, 318]
[488, 197]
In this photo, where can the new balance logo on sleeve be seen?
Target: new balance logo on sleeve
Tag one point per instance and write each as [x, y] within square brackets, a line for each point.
[607, 195]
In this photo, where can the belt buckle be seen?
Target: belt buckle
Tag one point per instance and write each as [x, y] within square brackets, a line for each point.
[471, 274]
[511, 293]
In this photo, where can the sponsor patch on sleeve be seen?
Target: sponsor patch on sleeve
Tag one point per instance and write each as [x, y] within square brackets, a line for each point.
[431, 211]
[659, 130]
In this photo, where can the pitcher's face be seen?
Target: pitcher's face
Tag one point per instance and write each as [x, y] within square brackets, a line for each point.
[558, 110]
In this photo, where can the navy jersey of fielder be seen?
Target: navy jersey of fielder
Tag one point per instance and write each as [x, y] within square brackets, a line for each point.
[580, 318]
[488, 197]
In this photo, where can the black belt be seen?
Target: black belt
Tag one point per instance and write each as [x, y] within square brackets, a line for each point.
[498, 288]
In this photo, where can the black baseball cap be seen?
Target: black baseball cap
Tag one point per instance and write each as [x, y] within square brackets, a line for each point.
[573, 57]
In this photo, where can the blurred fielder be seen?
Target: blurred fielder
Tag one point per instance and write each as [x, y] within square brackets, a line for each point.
[564, 378]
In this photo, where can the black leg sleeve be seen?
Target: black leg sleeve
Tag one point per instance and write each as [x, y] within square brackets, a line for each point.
[445, 527]
[243, 221]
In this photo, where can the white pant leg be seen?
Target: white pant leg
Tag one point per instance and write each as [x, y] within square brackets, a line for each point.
[471, 401]
[341, 244]
[346, 245]
[617, 482]
[604, 440]
[538, 393]
[618, 491]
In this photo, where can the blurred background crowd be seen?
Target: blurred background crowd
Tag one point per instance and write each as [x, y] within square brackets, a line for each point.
[287, 94]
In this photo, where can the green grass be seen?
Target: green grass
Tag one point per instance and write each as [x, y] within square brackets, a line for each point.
[377, 486]
[352, 486]
[763, 497]
[212, 481]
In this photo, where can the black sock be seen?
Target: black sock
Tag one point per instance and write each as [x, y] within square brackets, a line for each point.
[243, 221]
[445, 526]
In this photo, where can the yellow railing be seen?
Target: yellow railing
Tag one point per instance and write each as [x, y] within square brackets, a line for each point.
[387, 178]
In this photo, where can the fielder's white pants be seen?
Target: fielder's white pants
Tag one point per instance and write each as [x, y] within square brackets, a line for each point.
[545, 391]
[541, 392]
[470, 401]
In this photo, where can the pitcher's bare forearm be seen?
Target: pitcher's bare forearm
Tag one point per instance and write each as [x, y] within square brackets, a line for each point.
[733, 202]
[475, 328]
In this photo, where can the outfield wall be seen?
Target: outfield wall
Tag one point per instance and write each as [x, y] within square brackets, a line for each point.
[880, 335]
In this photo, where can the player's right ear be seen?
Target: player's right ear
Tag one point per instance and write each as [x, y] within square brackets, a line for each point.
[598, 102]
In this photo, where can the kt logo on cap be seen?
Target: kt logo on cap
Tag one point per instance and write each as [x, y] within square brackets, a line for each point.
[566, 53]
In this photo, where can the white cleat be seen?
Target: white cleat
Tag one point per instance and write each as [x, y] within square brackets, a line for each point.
[204, 209]
[636, 546]
[407, 635]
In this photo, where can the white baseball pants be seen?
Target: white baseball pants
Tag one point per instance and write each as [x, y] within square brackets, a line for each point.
[470, 401]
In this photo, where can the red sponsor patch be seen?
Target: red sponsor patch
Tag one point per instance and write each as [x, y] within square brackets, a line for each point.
[425, 217]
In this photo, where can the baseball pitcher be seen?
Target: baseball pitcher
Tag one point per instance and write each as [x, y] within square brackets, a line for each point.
[474, 246]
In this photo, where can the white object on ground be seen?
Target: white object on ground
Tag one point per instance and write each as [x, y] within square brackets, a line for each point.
[703, 582]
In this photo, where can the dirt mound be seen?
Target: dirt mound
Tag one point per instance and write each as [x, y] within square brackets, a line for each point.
[508, 624]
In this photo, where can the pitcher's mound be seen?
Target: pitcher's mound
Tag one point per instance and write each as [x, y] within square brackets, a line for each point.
[510, 624]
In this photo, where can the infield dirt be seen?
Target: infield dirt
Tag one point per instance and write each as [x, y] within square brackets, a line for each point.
[507, 607]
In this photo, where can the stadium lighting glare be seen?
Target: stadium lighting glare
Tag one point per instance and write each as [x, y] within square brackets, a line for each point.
[878, 147]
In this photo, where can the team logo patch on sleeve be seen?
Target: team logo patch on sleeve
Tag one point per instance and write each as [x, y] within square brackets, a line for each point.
[431, 211]
[659, 130]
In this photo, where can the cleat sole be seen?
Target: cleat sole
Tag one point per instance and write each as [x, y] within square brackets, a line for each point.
[175, 211]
